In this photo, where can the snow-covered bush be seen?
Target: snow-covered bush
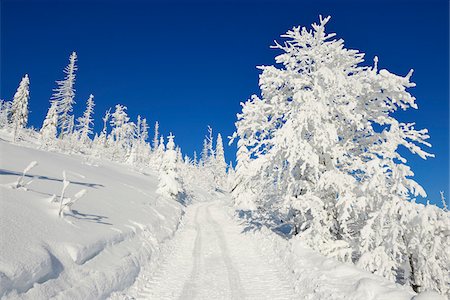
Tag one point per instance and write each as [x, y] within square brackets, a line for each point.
[66, 203]
[20, 183]
[319, 150]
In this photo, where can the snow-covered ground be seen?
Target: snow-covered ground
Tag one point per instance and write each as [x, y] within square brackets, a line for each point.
[212, 256]
[123, 241]
[97, 249]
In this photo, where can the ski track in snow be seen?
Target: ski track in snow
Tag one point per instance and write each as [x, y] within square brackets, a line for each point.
[210, 258]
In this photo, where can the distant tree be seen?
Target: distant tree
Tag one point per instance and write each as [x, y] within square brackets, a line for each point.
[195, 159]
[155, 137]
[64, 96]
[49, 127]
[170, 185]
[220, 164]
[86, 122]
[5, 113]
[19, 109]
[204, 158]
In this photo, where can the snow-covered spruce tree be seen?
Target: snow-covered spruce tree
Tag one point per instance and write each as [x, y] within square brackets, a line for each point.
[5, 113]
[204, 156]
[64, 96]
[122, 133]
[220, 166]
[170, 185]
[49, 127]
[19, 109]
[318, 149]
[85, 123]
[158, 155]
[155, 137]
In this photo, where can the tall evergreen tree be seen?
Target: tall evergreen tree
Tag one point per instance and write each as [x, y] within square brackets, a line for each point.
[155, 137]
[86, 122]
[64, 96]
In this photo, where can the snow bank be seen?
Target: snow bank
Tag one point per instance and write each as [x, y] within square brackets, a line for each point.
[92, 251]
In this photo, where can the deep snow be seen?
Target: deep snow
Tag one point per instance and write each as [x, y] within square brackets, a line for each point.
[97, 249]
[123, 241]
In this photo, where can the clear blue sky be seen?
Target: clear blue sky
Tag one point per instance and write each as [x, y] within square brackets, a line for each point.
[188, 64]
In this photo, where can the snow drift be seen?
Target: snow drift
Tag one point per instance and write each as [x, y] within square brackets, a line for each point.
[97, 247]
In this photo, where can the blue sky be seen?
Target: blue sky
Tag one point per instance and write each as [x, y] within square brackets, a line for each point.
[189, 64]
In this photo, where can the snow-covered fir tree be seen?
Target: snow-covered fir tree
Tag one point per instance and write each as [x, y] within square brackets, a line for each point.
[49, 126]
[156, 137]
[204, 157]
[319, 150]
[220, 166]
[19, 108]
[86, 122]
[170, 185]
[64, 96]
[5, 113]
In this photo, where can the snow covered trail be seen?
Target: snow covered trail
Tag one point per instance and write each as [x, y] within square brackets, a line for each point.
[210, 258]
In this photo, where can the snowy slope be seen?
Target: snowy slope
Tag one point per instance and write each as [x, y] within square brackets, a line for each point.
[97, 249]
[124, 242]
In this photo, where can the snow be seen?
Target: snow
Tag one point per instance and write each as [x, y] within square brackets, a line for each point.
[96, 249]
[122, 240]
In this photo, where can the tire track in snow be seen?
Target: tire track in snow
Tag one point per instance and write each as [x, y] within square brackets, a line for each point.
[189, 287]
[234, 280]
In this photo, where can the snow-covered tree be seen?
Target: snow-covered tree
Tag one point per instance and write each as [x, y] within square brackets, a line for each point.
[155, 137]
[119, 121]
[170, 185]
[19, 109]
[195, 159]
[319, 149]
[49, 127]
[143, 134]
[64, 96]
[104, 134]
[220, 166]
[5, 113]
[86, 122]
[204, 158]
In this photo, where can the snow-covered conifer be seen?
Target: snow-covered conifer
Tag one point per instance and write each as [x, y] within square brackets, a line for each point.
[220, 164]
[204, 158]
[50, 126]
[319, 148]
[195, 159]
[170, 185]
[119, 121]
[85, 122]
[5, 113]
[64, 96]
[155, 137]
[144, 130]
[19, 110]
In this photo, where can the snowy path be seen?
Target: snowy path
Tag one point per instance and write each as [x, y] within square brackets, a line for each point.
[209, 258]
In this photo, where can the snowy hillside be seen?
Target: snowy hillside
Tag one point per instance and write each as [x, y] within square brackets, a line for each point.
[96, 249]
[122, 238]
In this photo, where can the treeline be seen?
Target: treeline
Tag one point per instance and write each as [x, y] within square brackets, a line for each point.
[120, 140]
